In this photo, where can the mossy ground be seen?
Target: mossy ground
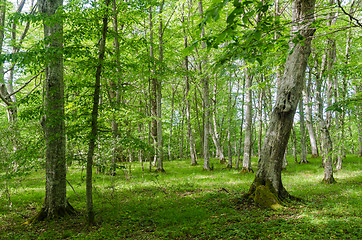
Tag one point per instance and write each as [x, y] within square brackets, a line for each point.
[189, 203]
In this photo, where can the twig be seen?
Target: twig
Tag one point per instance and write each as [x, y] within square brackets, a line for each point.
[73, 188]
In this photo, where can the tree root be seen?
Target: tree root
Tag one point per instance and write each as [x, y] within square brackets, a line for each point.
[246, 170]
[329, 180]
[265, 196]
[44, 214]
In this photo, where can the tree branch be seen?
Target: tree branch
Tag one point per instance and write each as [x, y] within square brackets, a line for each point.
[31, 91]
[25, 84]
[349, 15]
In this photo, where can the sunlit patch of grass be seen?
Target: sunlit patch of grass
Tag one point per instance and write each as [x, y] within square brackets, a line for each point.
[189, 203]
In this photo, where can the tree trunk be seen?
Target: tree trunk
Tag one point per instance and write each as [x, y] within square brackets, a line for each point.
[230, 157]
[241, 128]
[171, 123]
[159, 97]
[94, 123]
[55, 204]
[193, 154]
[267, 189]
[205, 93]
[309, 122]
[153, 94]
[214, 132]
[294, 143]
[248, 122]
[303, 152]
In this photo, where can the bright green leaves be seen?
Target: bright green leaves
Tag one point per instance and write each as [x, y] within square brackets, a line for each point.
[249, 30]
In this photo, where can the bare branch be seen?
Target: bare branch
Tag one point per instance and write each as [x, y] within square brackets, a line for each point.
[350, 16]
[32, 90]
[335, 31]
[25, 84]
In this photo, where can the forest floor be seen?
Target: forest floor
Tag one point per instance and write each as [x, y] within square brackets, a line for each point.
[189, 203]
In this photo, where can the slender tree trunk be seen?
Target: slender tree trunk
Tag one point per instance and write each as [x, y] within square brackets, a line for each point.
[153, 94]
[309, 122]
[267, 180]
[248, 123]
[214, 132]
[94, 123]
[230, 157]
[159, 96]
[359, 123]
[205, 92]
[294, 145]
[171, 124]
[193, 154]
[241, 127]
[260, 111]
[303, 152]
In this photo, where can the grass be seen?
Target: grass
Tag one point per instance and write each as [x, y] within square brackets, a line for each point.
[188, 203]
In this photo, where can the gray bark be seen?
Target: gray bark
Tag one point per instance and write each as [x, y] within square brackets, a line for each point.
[214, 132]
[303, 152]
[309, 119]
[230, 157]
[153, 92]
[205, 93]
[55, 204]
[94, 122]
[289, 93]
[241, 128]
[159, 98]
[248, 123]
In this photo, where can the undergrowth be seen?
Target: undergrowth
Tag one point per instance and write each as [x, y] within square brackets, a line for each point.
[189, 203]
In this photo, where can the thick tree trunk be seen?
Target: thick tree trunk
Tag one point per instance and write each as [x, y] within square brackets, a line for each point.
[267, 189]
[56, 204]
[248, 123]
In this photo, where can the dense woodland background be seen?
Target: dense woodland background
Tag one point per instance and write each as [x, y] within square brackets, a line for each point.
[176, 80]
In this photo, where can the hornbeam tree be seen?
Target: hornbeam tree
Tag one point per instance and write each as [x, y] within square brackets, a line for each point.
[267, 189]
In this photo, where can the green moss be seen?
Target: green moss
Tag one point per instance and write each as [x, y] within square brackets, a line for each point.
[265, 198]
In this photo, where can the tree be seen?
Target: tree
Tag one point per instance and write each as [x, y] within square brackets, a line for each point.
[267, 188]
[205, 91]
[55, 204]
[94, 121]
[248, 123]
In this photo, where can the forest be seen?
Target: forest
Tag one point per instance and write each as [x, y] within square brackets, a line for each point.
[180, 119]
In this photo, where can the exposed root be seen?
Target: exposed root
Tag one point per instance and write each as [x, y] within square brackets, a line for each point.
[246, 170]
[265, 196]
[329, 180]
[44, 214]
